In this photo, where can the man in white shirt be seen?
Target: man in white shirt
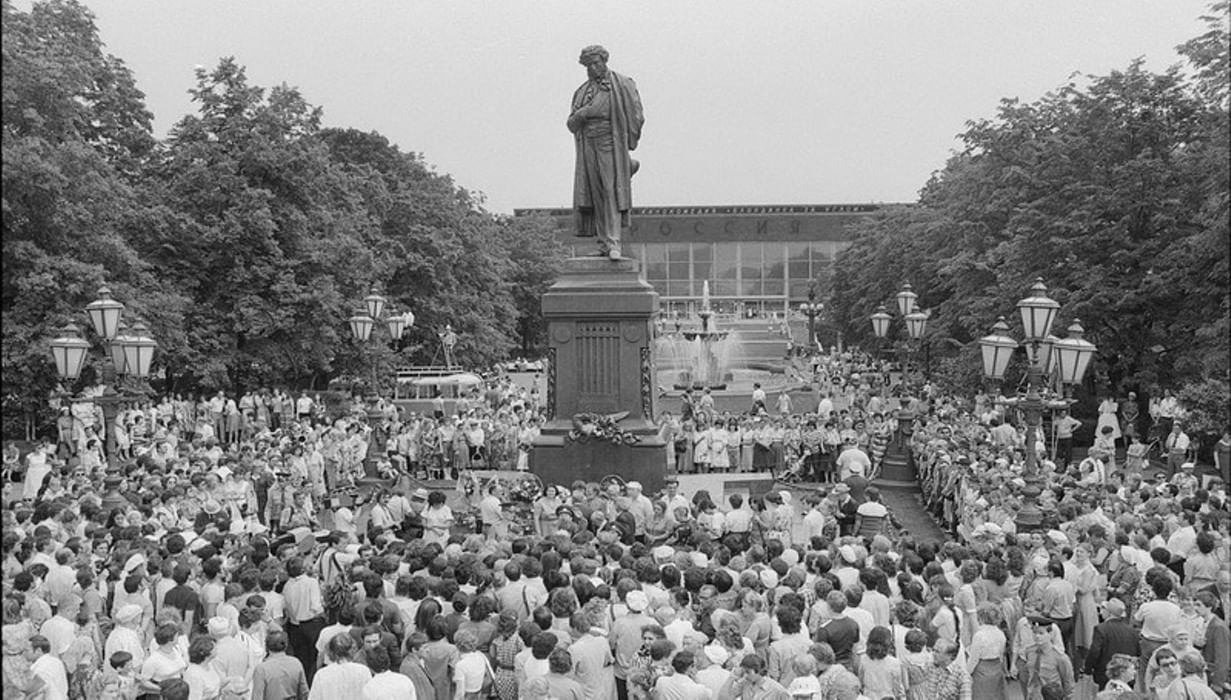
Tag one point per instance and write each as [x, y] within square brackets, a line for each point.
[673, 497]
[61, 628]
[852, 460]
[386, 684]
[1065, 425]
[48, 668]
[682, 684]
[60, 577]
[814, 519]
[1177, 444]
[738, 520]
[303, 406]
[640, 506]
[824, 409]
[1184, 540]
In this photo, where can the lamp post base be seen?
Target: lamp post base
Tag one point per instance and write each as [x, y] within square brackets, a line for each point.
[1030, 517]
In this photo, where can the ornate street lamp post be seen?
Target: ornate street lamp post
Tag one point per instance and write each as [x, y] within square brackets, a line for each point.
[361, 324]
[1038, 311]
[812, 308]
[123, 354]
[915, 319]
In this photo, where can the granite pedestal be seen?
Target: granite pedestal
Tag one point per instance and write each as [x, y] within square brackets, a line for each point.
[600, 329]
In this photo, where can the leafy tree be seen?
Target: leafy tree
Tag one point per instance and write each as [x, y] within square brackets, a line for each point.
[76, 133]
[533, 256]
[447, 259]
[260, 228]
[1113, 189]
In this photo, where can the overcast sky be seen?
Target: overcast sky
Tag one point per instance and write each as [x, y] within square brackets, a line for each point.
[746, 102]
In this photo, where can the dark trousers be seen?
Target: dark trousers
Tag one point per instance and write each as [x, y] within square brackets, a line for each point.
[1174, 459]
[621, 689]
[1064, 451]
[302, 640]
[1067, 626]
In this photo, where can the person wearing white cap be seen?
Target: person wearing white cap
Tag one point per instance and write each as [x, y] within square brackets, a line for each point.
[626, 637]
[124, 637]
[714, 672]
[852, 460]
[231, 657]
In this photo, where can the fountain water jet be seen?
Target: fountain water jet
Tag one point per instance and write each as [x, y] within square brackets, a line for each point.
[704, 352]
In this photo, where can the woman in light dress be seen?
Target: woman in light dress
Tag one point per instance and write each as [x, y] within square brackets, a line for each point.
[437, 519]
[1108, 411]
[701, 447]
[720, 440]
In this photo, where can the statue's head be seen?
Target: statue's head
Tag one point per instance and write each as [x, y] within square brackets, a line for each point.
[594, 58]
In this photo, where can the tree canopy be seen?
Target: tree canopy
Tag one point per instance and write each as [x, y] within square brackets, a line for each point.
[1112, 188]
[244, 239]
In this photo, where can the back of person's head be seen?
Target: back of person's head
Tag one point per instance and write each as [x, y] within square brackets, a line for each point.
[166, 633]
[854, 595]
[1162, 586]
[560, 661]
[173, 689]
[276, 641]
[880, 642]
[211, 567]
[916, 640]
[373, 613]
[512, 571]
[683, 661]
[340, 647]
[542, 645]
[346, 615]
[822, 652]
[789, 619]
[200, 649]
[377, 659]
[1120, 664]
[437, 629]
[836, 601]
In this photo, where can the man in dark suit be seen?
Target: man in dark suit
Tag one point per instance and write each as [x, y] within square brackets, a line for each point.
[1115, 635]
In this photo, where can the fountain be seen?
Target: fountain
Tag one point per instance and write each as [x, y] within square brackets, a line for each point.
[702, 355]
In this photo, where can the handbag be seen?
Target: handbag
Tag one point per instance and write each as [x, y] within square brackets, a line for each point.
[1085, 689]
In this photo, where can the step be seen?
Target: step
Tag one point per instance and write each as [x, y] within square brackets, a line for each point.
[895, 484]
[897, 472]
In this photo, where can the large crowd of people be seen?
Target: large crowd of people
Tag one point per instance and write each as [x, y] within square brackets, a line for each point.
[220, 551]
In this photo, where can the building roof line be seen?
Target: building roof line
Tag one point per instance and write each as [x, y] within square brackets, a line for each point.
[728, 210]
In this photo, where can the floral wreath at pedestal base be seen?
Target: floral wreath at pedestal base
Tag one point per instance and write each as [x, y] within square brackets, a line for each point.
[601, 427]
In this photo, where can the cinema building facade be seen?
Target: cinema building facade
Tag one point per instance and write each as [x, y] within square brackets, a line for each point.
[758, 260]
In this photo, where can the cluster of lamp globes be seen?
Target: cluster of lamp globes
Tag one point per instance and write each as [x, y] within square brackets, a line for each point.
[1069, 357]
[373, 311]
[131, 349]
[915, 318]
